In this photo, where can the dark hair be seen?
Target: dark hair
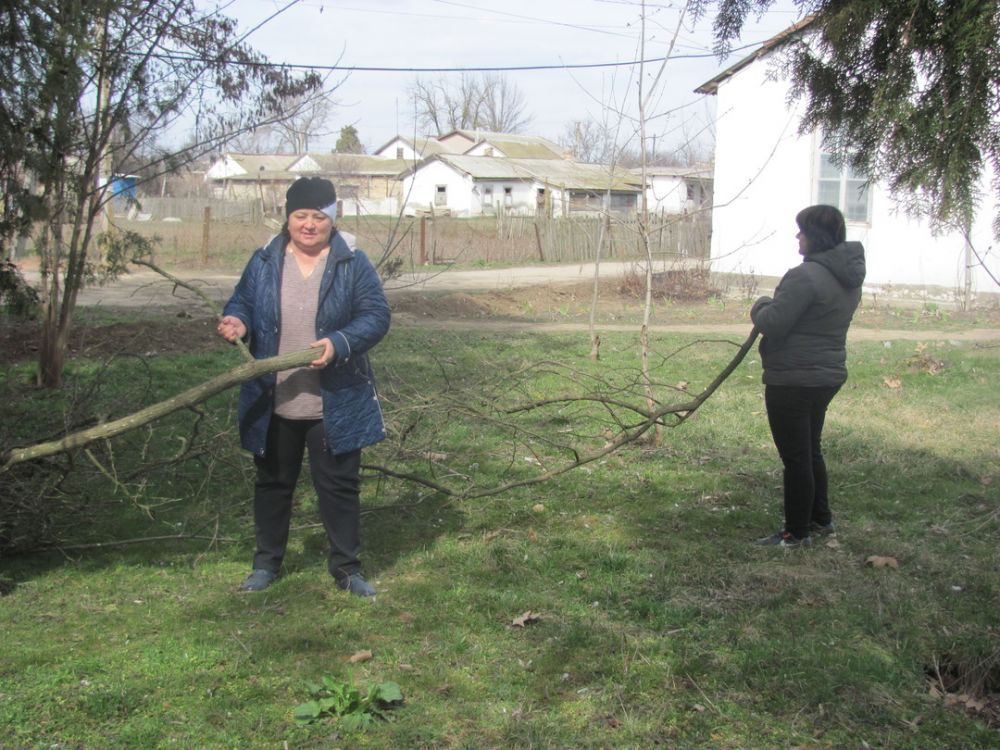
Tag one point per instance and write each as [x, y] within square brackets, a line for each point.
[823, 227]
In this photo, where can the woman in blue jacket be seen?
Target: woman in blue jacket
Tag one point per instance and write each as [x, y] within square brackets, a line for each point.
[308, 287]
[803, 353]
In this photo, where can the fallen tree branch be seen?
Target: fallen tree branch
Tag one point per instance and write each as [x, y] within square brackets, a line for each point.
[183, 400]
[138, 540]
[194, 290]
[651, 418]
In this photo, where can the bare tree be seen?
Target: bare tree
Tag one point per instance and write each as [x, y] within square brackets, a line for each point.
[489, 102]
[262, 140]
[587, 141]
[503, 107]
[306, 120]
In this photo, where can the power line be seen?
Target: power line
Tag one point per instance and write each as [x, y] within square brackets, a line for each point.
[471, 69]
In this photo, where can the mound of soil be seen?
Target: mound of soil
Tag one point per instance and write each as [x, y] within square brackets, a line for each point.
[170, 333]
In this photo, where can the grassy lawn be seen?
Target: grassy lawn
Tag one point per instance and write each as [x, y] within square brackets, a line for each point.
[656, 622]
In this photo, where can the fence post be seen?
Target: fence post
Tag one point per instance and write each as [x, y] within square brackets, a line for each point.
[205, 234]
[423, 240]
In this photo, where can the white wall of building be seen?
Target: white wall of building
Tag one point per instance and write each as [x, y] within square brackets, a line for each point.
[667, 194]
[391, 151]
[224, 168]
[521, 198]
[420, 189]
[486, 149]
[765, 173]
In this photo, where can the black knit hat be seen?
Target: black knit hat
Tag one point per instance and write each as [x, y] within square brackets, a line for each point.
[312, 192]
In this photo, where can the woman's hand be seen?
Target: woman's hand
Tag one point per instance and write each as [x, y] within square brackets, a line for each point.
[329, 352]
[231, 328]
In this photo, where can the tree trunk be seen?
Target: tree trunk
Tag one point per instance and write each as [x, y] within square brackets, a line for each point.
[51, 354]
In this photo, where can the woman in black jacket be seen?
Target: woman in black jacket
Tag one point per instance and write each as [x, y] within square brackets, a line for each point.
[803, 353]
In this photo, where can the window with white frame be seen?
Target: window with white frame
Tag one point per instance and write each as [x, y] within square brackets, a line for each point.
[844, 188]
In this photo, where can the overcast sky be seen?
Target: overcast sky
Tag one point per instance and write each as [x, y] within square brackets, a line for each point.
[477, 34]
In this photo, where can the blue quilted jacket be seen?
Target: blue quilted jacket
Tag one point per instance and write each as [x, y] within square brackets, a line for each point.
[353, 313]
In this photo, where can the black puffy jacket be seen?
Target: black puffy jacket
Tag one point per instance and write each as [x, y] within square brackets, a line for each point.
[804, 327]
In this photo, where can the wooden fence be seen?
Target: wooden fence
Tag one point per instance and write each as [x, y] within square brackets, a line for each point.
[526, 239]
[223, 238]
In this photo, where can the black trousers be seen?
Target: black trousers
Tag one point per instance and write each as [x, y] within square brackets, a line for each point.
[796, 415]
[336, 479]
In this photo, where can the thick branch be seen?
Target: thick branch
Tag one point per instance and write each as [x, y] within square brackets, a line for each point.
[183, 400]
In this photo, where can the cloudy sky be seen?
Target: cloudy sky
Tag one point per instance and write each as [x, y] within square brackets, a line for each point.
[541, 34]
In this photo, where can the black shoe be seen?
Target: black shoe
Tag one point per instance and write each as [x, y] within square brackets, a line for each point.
[258, 580]
[356, 584]
[785, 539]
[822, 529]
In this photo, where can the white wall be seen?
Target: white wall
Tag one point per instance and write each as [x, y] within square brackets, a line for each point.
[764, 175]
[353, 207]
[666, 193]
[420, 189]
[304, 164]
[523, 195]
[389, 150]
[223, 168]
[486, 149]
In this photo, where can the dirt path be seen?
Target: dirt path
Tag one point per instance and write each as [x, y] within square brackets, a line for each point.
[533, 287]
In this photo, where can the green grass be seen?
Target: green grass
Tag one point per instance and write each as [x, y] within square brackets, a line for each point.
[659, 624]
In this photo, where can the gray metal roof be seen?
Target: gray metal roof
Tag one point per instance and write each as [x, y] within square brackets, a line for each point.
[515, 145]
[696, 173]
[254, 163]
[554, 172]
[359, 164]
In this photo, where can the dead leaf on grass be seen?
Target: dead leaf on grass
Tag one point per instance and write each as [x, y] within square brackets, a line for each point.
[833, 544]
[892, 381]
[360, 656]
[877, 561]
[527, 618]
[433, 455]
[532, 536]
[612, 721]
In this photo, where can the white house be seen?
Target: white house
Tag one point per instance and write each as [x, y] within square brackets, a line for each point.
[416, 149]
[765, 172]
[257, 177]
[677, 190]
[479, 185]
[231, 165]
